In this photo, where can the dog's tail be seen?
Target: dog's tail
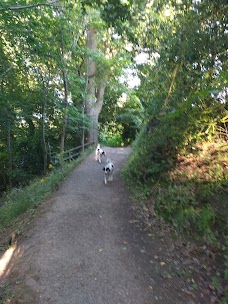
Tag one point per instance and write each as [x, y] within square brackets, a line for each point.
[108, 161]
[98, 146]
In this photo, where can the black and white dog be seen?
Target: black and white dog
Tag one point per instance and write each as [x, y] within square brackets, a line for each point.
[108, 171]
[99, 153]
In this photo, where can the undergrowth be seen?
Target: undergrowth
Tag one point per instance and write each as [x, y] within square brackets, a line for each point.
[186, 187]
[111, 139]
[18, 201]
[189, 188]
[177, 205]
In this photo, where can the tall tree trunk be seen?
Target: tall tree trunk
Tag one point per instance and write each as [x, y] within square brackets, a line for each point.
[96, 109]
[66, 94]
[83, 109]
[44, 98]
[10, 159]
[95, 92]
[44, 145]
[91, 87]
[65, 118]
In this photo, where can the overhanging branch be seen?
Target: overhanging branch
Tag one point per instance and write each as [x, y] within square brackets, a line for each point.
[14, 8]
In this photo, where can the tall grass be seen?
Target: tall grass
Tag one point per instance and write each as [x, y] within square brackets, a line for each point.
[178, 205]
[19, 201]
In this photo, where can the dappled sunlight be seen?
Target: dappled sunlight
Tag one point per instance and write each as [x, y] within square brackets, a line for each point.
[6, 259]
[204, 162]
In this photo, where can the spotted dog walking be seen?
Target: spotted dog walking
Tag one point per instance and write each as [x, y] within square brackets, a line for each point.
[108, 171]
[99, 153]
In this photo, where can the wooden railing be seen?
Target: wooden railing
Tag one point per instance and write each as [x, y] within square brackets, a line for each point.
[67, 155]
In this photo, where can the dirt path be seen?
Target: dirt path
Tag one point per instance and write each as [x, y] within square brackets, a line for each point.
[88, 247]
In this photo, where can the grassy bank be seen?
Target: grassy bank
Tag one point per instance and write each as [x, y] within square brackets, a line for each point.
[18, 201]
[190, 194]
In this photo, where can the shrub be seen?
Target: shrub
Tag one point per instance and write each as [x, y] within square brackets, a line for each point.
[177, 205]
[111, 139]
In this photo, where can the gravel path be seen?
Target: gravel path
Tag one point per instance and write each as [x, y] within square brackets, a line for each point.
[87, 248]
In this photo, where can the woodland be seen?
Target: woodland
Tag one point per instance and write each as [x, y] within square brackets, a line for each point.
[147, 73]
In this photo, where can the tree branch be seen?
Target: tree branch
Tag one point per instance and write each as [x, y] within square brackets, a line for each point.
[14, 8]
[6, 71]
[172, 82]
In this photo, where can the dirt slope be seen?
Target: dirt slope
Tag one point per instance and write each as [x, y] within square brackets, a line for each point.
[87, 247]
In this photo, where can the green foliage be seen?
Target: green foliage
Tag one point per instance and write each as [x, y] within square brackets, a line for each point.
[219, 281]
[18, 201]
[188, 202]
[113, 12]
[121, 117]
[156, 148]
[31, 97]
[177, 205]
[111, 138]
[183, 91]
[225, 251]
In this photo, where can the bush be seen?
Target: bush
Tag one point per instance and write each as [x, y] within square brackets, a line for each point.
[152, 158]
[111, 139]
[177, 205]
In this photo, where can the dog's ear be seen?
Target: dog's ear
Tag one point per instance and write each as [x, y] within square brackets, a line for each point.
[112, 166]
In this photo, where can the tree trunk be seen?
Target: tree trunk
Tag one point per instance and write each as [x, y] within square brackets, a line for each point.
[44, 137]
[65, 118]
[95, 92]
[10, 159]
[44, 98]
[91, 87]
[66, 93]
[83, 107]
